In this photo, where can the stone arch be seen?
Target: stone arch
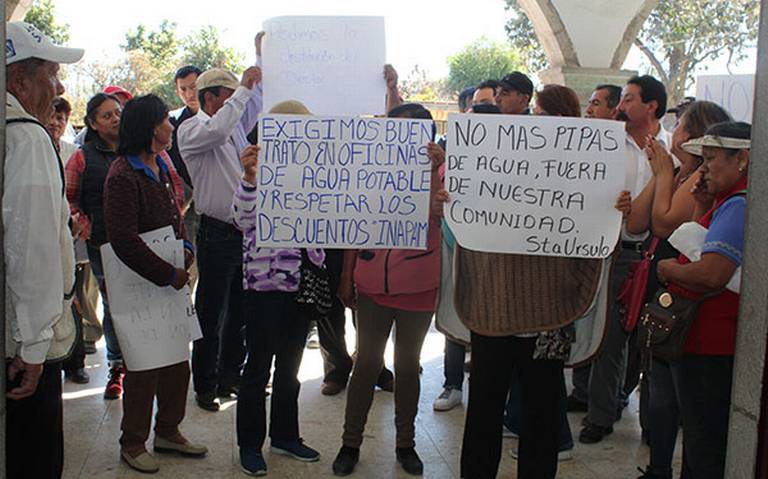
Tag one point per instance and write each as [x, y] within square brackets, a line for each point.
[566, 30]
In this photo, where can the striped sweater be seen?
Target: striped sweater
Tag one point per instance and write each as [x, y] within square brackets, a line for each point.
[266, 269]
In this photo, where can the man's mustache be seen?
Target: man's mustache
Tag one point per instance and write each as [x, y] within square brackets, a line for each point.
[621, 116]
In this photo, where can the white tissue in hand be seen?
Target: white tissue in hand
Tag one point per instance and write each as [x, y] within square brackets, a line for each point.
[689, 238]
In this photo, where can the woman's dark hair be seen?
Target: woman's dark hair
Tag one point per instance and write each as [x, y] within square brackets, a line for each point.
[700, 115]
[61, 105]
[413, 110]
[138, 122]
[90, 113]
[558, 100]
[731, 129]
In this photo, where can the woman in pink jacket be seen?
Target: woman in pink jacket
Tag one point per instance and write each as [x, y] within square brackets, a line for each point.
[389, 287]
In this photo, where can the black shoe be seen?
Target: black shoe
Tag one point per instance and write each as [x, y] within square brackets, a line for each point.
[573, 404]
[78, 376]
[345, 461]
[650, 474]
[410, 461]
[592, 433]
[207, 401]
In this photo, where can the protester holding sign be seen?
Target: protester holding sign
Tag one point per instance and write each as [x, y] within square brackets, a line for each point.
[139, 198]
[508, 301]
[396, 287]
[667, 202]
[275, 329]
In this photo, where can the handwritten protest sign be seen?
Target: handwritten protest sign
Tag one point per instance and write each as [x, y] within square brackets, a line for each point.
[535, 185]
[153, 324]
[342, 182]
[331, 64]
[735, 93]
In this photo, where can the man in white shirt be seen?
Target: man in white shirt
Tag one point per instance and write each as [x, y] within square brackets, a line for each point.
[643, 103]
[39, 255]
[210, 143]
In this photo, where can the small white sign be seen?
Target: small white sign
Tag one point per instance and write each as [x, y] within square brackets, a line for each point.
[535, 185]
[154, 325]
[334, 65]
[735, 93]
[343, 182]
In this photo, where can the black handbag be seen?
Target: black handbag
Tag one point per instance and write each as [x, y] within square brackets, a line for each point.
[314, 294]
[664, 325]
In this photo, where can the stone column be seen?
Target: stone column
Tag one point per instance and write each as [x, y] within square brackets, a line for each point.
[753, 315]
[586, 42]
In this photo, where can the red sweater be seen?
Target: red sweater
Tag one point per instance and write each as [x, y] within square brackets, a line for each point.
[135, 202]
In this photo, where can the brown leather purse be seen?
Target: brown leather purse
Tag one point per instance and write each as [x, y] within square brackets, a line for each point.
[664, 325]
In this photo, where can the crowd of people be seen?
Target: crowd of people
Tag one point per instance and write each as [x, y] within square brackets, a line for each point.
[138, 167]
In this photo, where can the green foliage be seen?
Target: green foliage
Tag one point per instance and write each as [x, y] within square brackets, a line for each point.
[481, 60]
[158, 53]
[202, 49]
[676, 38]
[160, 45]
[42, 15]
[520, 32]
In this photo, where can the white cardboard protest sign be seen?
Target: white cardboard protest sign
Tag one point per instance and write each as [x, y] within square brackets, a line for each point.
[334, 65]
[343, 182]
[153, 324]
[534, 185]
[735, 93]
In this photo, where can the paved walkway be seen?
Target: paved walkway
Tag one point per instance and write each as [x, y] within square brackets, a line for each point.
[92, 428]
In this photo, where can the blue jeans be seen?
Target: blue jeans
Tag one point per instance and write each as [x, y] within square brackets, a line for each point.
[512, 413]
[217, 357]
[114, 355]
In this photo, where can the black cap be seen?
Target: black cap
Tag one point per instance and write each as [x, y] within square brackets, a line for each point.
[518, 82]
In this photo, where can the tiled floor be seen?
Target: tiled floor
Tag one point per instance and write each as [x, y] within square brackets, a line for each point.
[92, 428]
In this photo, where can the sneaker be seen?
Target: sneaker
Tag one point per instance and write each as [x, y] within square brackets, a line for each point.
[252, 462]
[573, 404]
[114, 388]
[447, 400]
[345, 461]
[507, 433]
[295, 449]
[410, 461]
[592, 433]
[78, 376]
[562, 456]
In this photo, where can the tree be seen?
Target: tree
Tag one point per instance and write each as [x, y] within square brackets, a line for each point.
[676, 38]
[161, 46]
[681, 34]
[202, 49]
[42, 15]
[481, 60]
[523, 38]
[418, 88]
